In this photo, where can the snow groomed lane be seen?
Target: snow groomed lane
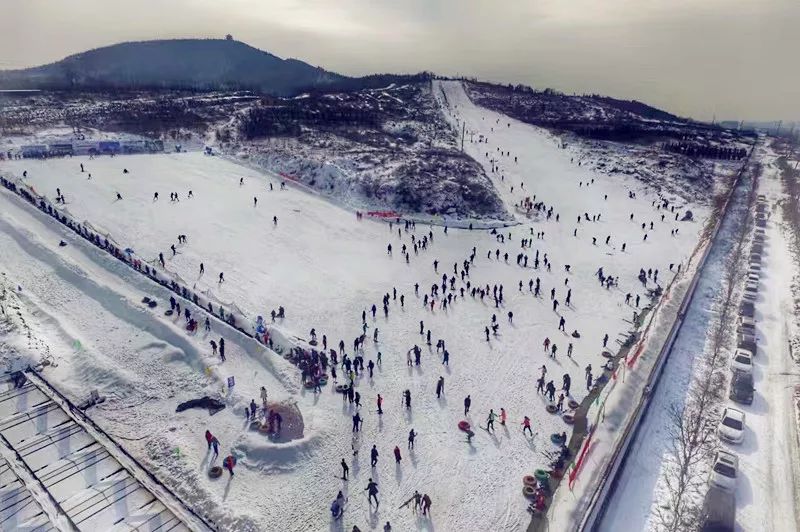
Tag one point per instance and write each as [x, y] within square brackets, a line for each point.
[88, 485]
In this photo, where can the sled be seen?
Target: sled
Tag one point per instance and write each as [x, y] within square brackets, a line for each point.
[528, 491]
[573, 404]
[529, 480]
[569, 419]
[464, 425]
[551, 409]
[215, 472]
[169, 312]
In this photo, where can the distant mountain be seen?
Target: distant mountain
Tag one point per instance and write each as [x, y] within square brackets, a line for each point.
[182, 63]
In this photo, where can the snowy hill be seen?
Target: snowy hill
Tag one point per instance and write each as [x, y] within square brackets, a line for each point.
[184, 63]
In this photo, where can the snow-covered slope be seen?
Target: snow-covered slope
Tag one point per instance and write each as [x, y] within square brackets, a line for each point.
[325, 267]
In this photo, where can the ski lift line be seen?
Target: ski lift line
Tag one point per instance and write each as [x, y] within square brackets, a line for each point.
[188, 516]
[595, 511]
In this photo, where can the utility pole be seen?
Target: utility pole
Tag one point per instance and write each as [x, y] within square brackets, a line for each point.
[463, 131]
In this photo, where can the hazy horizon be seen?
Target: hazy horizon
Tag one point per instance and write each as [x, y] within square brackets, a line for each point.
[731, 59]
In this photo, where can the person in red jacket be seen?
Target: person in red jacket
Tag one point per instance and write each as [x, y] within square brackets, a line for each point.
[229, 463]
[209, 437]
[397, 456]
[526, 425]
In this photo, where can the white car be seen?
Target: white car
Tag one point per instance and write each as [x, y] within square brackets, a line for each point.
[726, 468]
[731, 427]
[742, 361]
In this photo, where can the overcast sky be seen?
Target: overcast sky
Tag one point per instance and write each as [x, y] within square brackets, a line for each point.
[732, 58]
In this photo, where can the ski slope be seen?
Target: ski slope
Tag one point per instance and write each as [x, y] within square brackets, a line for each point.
[325, 267]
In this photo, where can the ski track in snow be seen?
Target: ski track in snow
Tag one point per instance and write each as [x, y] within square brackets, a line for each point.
[325, 267]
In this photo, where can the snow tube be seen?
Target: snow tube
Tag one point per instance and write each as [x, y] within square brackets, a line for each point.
[556, 438]
[607, 354]
[342, 388]
[263, 429]
[573, 404]
[557, 473]
[529, 480]
[463, 425]
[255, 425]
[569, 419]
[309, 384]
[528, 491]
[215, 472]
[541, 475]
[288, 356]
[551, 409]
[323, 380]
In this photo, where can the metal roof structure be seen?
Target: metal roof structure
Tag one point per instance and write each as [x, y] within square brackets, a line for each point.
[57, 475]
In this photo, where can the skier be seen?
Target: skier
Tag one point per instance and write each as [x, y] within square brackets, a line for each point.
[526, 425]
[229, 463]
[222, 349]
[373, 454]
[380, 404]
[411, 436]
[215, 445]
[426, 504]
[372, 488]
[503, 416]
[221, 277]
[337, 507]
[397, 456]
[439, 387]
[209, 437]
[345, 470]
[490, 420]
[467, 403]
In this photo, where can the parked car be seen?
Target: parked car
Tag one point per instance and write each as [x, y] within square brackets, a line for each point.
[748, 343]
[742, 390]
[750, 295]
[731, 426]
[747, 321]
[742, 361]
[725, 470]
[719, 511]
[748, 329]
